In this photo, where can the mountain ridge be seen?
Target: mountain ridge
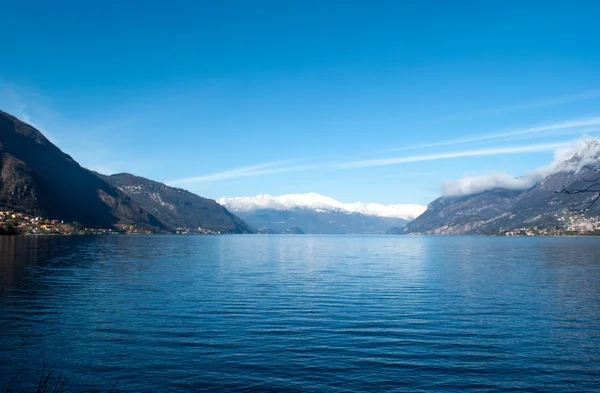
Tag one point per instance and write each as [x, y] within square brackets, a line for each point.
[501, 209]
[316, 201]
[176, 207]
[36, 177]
[318, 214]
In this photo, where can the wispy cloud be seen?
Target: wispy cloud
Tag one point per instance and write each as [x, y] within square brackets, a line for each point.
[566, 125]
[278, 167]
[586, 151]
[253, 170]
[453, 154]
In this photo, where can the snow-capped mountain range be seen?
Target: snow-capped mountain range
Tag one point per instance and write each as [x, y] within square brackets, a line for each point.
[314, 213]
[320, 203]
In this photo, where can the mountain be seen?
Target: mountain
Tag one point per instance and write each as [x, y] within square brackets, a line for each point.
[177, 208]
[314, 213]
[471, 214]
[37, 178]
[395, 231]
[490, 211]
[288, 231]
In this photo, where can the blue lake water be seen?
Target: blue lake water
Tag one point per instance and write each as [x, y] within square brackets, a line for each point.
[301, 313]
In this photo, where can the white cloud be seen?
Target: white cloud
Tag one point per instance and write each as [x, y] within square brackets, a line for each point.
[254, 170]
[475, 184]
[320, 202]
[276, 167]
[454, 154]
[567, 158]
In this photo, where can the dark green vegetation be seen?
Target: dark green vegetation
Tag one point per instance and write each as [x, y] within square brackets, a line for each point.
[9, 229]
[38, 179]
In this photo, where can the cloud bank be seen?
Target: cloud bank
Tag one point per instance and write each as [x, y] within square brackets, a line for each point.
[569, 158]
[320, 203]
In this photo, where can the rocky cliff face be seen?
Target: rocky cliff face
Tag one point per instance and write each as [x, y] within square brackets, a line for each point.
[177, 208]
[37, 178]
[464, 214]
[490, 211]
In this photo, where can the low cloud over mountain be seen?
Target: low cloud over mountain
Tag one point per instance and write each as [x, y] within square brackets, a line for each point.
[569, 158]
[315, 213]
[530, 201]
[320, 202]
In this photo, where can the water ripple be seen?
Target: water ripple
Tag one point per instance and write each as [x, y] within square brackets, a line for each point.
[302, 313]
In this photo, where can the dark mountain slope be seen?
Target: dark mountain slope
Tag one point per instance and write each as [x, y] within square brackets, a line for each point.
[463, 214]
[177, 208]
[36, 177]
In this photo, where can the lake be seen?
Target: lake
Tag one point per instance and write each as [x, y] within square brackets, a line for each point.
[247, 313]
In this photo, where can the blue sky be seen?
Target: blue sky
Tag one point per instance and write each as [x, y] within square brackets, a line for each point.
[377, 101]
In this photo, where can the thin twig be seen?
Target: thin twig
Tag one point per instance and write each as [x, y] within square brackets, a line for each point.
[57, 384]
[40, 384]
[113, 386]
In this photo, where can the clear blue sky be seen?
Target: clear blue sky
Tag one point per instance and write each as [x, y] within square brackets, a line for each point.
[251, 97]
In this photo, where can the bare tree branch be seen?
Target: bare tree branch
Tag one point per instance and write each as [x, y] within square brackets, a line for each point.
[593, 188]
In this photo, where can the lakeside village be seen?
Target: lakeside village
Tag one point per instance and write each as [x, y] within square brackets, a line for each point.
[14, 223]
[575, 224]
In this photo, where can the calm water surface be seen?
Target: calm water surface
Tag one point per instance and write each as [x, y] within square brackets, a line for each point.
[302, 313]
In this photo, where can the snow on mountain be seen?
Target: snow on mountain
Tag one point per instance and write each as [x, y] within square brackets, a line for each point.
[318, 202]
[569, 158]
[575, 156]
